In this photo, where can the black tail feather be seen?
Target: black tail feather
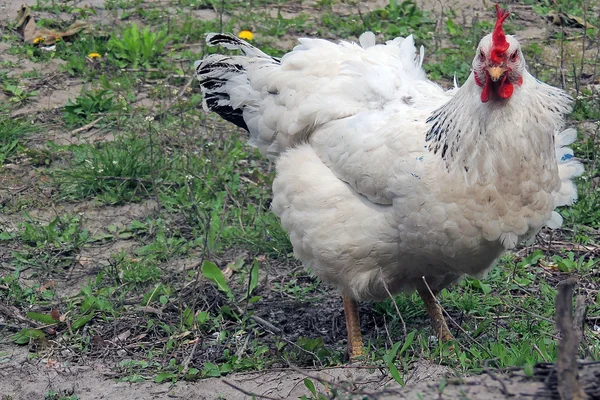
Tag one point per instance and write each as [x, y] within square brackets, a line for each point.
[216, 70]
[215, 103]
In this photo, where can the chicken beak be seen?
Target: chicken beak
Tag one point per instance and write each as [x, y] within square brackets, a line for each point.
[496, 72]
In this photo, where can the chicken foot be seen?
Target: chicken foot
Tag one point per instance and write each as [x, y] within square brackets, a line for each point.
[355, 343]
[435, 313]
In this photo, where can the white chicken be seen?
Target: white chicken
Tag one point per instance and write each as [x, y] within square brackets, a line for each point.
[387, 183]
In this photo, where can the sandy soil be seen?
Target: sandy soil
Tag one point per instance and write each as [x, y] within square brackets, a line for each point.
[24, 379]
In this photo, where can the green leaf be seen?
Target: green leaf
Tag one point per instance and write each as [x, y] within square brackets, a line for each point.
[188, 318]
[24, 336]
[5, 236]
[253, 277]
[261, 350]
[135, 225]
[528, 369]
[237, 265]
[101, 236]
[484, 287]
[202, 317]
[211, 370]
[254, 299]
[82, 321]
[227, 311]
[389, 360]
[87, 303]
[214, 274]
[310, 386]
[533, 258]
[125, 235]
[43, 318]
[395, 373]
[163, 376]
[225, 368]
[407, 342]
[397, 350]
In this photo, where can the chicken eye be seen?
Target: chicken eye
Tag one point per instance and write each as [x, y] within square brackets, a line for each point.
[514, 56]
[481, 56]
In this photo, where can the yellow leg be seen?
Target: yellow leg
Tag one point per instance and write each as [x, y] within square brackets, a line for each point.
[355, 344]
[435, 313]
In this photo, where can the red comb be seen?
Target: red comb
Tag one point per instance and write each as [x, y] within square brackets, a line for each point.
[499, 43]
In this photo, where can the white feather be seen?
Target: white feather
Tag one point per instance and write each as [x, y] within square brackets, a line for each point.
[367, 40]
[568, 169]
[371, 192]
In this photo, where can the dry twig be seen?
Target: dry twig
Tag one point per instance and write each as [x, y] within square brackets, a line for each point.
[86, 127]
[566, 365]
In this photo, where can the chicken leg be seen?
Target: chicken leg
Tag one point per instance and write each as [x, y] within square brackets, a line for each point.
[435, 313]
[355, 344]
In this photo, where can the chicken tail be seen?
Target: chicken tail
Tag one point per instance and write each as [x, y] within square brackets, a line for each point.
[223, 78]
[568, 169]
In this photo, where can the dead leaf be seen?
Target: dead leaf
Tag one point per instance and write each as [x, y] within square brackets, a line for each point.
[31, 33]
[563, 19]
[595, 182]
[227, 272]
[85, 261]
[150, 310]
[123, 336]
[98, 341]
[47, 285]
[181, 335]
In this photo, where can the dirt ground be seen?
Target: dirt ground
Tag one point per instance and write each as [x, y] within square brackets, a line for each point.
[25, 379]
[22, 377]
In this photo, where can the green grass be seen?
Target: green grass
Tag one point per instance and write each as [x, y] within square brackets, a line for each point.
[159, 214]
[119, 172]
[13, 132]
[395, 19]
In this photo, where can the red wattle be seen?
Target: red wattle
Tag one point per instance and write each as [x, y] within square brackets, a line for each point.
[506, 90]
[487, 88]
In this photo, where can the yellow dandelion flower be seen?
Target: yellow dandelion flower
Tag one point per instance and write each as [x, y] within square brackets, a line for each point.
[246, 35]
[38, 39]
[94, 55]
